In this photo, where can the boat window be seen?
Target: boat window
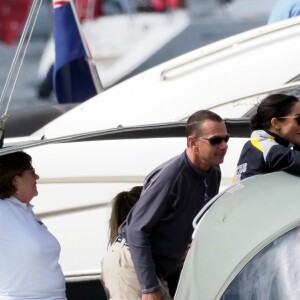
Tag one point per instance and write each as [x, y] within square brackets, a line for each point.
[237, 108]
[273, 274]
[246, 107]
[297, 78]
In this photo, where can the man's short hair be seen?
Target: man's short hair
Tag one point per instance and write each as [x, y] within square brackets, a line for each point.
[195, 121]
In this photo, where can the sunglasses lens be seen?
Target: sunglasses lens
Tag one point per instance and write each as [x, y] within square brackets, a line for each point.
[298, 120]
[217, 140]
[226, 138]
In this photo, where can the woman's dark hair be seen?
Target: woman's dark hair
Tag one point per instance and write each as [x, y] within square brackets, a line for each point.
[273, 106]
[121, 206]
[12, 165]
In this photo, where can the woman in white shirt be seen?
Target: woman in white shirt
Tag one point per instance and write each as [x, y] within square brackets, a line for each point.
[29, 253]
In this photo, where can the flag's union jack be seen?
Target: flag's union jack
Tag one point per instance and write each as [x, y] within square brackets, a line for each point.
[59, 3]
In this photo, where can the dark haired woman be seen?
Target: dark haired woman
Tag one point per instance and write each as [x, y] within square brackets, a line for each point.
[274, 139]
[121, 206]
[29, 253]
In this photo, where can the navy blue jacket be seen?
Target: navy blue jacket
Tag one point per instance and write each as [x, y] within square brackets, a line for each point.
[265, 153]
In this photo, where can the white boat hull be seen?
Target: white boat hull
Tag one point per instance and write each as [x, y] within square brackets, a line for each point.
[79, 180]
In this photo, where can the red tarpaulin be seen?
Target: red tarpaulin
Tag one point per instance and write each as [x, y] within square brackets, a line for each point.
[88, 9]
[162, 5]
[13, 14]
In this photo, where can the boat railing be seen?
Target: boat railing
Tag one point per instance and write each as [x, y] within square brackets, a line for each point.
[259, 95]
[232, 42]
[83, 275]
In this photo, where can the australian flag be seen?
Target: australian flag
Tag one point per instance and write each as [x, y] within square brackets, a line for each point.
[73, 79]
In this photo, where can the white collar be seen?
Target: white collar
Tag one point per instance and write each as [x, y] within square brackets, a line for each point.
[14, 200]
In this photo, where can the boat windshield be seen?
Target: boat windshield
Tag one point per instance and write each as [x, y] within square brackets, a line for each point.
[273, 274]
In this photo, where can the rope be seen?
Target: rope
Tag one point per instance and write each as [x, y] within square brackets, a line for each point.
[29, 25]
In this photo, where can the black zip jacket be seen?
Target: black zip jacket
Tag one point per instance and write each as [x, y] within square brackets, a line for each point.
[264, 153]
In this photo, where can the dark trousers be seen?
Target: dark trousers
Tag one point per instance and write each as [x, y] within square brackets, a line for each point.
[172, 280]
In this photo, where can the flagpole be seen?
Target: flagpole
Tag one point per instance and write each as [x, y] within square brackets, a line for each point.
[93, 69]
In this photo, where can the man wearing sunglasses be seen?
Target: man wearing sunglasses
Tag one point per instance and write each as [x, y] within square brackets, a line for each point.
[156, 235]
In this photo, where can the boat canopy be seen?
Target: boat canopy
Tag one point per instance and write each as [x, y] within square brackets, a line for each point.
[242, 224]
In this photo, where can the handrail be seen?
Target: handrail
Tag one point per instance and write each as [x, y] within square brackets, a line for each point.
[254, 34]
[9, 148]
[67, 211]
[80, 276]
[280, 88]
[104, 134]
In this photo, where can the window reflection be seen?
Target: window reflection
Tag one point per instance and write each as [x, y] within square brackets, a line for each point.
[273, 274]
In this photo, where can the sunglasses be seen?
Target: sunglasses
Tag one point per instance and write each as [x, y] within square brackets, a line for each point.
[297, 118]
[217, 140]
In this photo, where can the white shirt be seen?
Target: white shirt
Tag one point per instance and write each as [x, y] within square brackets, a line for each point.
[29, 255]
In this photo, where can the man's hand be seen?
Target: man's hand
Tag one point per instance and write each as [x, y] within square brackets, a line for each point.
[153, 296]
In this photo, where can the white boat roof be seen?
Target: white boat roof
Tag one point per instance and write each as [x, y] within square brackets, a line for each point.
[239, 224]
[212, 77]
